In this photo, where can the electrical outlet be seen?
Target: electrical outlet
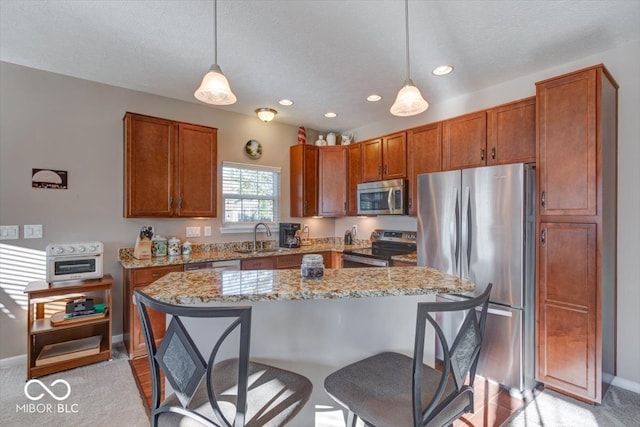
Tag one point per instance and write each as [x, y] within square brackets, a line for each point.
[354, 230]
[207, 231]
[33, 231]
[305, 228]
[9, 232]
[193, 231]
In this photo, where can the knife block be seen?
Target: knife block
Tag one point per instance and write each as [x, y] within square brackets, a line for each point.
[142, 249]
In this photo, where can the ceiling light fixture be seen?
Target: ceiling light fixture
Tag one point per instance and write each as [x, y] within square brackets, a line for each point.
[442, 70]
[285, 102]
[409, 101]
[374, 97]
[266, 114]
[215, 88]
[330, 114]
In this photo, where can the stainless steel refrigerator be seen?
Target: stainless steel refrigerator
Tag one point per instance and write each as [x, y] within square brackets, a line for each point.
[479, 224]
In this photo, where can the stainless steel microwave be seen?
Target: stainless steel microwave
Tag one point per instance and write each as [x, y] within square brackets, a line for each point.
[383, 197]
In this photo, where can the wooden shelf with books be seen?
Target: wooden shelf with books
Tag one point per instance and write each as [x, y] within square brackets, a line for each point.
[55, 342]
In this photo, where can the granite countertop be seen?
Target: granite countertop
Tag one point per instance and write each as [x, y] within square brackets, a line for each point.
[224, 252]
[281, 285]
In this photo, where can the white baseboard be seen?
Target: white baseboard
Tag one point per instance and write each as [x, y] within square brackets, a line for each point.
[21, 359]
[626, 384]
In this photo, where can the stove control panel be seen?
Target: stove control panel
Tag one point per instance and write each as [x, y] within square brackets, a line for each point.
[394, 236]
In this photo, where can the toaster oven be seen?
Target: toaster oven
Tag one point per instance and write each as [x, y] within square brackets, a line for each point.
[74, 261]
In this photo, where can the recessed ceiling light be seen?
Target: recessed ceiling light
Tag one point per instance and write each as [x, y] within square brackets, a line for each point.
[442, 70]
[285, 102]
[374, 98]
[330, 114]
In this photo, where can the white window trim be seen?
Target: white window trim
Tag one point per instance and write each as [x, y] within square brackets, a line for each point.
[231, 228]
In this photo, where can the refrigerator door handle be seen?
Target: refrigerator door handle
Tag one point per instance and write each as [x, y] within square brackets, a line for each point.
[455, 224]
[469, 229]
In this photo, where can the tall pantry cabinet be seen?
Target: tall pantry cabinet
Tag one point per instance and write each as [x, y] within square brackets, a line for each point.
[576, 245]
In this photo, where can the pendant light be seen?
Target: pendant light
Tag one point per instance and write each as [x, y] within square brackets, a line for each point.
[215, 88]
[409, 101]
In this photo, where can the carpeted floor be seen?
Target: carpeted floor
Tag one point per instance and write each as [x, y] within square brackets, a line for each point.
[102, 394]
[619, 408]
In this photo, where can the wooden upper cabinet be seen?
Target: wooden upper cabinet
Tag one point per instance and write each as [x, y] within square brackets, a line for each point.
[385, 158]
[303, 180]
[511, 133]
[354, 177]
[197, 166]
[372, 160]
[464, 141]
[170, 168]
[148, 166]
[424, 155]
[394, 156]
[567, 109]
[332, 166]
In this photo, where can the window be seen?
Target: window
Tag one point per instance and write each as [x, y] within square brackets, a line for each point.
[250, 194]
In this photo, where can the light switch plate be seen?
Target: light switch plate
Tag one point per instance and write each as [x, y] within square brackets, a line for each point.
[9, 232]
[207, 231]
[32, 231]
[193, 231]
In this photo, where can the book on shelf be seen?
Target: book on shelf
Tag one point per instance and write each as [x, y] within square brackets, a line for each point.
[67, 350]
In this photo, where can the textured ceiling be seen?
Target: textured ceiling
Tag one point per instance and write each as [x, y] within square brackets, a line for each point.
[326, 55]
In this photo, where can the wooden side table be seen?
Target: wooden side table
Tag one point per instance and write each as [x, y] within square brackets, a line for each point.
[67, 336]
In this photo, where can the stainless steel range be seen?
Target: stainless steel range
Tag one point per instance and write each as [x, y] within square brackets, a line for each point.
[384, 245]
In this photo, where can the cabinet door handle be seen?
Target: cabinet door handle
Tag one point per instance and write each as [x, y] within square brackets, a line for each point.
[543, 236]
[180, 203]
[493, 152]
[482, 154]
[385, 169]
[542, 200]
[156, 274]
[379, 170]
[170, 202]
[410, 202]
[345, 206]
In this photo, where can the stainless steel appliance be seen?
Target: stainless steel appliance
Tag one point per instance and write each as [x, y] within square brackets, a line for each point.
[382, 197]
[384, 245]
[232, 264]
[74, 261]
[479, 224]
[289, 234]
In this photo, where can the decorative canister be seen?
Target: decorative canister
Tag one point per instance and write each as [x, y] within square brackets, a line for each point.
[158, 246]
[321, 142]
[331, 138]
[186, 248]
[302, 135]
[312, 266]
[174, 246]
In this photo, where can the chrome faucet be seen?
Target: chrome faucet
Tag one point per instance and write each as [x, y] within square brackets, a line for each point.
[255, 229]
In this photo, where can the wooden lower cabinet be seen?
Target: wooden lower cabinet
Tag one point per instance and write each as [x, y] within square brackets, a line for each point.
[332, 259]
[132, 330]
[258, 263]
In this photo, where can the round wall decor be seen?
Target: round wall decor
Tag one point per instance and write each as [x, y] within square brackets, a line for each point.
[253, 149]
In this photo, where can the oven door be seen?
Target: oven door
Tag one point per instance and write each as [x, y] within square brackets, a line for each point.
[356, 261]
[64, 268]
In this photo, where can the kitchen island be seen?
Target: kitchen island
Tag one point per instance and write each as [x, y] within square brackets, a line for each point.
[313, 326]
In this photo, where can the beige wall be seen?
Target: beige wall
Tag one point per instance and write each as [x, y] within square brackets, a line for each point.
[624, 64]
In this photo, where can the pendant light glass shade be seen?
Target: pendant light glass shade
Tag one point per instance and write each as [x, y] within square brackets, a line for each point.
[409, 101]
[215, 88]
